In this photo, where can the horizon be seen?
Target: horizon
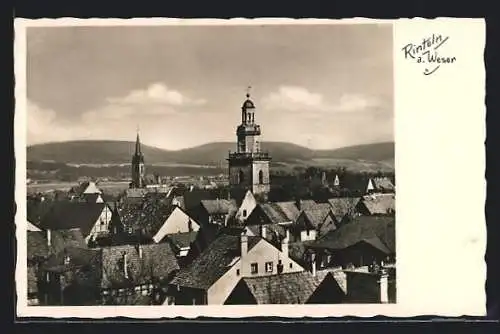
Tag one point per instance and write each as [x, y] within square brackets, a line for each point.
[132, 143]
[316, 86]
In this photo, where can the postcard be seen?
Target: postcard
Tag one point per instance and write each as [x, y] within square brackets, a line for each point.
[234, 168]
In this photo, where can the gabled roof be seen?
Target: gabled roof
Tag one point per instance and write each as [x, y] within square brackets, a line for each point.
[290, 209]
[379, 203]
[306, 204]
[158, 261]
[379, 231]
[313, 217]
[342, 206]
[219, 206]
[269, 213]
[212, 263]
[289, 288]
[193, 198]
[68, 215]
[148, 219]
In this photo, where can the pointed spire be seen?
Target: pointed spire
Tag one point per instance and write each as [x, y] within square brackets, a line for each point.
[137, 143]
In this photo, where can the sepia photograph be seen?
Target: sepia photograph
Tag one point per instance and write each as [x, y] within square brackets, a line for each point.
[210, 165]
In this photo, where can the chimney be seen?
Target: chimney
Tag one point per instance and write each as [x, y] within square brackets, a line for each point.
[125, 264]
[244, 243]
[263, 231]
[313, 264]
[384, 286]
[49, 238]
[284, 244]
[139, 250]
[297, 204]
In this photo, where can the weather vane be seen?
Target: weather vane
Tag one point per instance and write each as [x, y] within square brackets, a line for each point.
[248, 90]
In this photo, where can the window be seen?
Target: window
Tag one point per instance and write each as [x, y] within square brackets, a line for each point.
[254, 268]
[269, 267]
[241, 176]
[244, 213]
[307, 232]
[237, 272]
[261, 177]
[291, 265]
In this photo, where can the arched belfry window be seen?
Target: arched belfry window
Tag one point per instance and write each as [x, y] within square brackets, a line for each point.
[241, 176]
[261, 177]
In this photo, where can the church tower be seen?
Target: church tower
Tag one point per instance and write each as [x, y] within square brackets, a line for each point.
[249, 166]
[138, 170]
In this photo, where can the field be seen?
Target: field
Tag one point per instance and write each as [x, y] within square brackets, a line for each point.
[107, 187]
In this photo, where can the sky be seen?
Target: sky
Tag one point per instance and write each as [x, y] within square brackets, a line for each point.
[319, 86]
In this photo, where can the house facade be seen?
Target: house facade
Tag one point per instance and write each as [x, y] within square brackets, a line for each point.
[211, 277]
[93, 219]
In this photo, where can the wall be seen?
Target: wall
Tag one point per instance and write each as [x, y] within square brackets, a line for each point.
[305, 237]
[265, 186]
[234, 171]
[249, 203]
[177, 222]
[101, 226]
[261, 253]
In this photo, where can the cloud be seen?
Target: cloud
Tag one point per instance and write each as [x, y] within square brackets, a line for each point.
[294, 98]
[300, 99]
[157, 93]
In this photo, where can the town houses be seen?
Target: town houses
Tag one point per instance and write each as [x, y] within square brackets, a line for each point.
[160, 243]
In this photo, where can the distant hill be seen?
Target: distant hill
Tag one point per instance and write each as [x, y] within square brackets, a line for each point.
[118, 152]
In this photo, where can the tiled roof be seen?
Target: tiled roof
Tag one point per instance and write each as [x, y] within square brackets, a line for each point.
[289, 288]
[214, 262]
[182, 240]
[376, 230]
[192, 199]
[148, 219]
[79, 257]
[290, 209]
[379, 203]
[68, 215]
[342, 206]
[306, 204]
[313, 217]
[60, 239]
[275, 213]
[158, 261]
[219, 206]
[296, 251]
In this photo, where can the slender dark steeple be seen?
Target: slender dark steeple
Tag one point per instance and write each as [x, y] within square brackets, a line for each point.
[138, 168]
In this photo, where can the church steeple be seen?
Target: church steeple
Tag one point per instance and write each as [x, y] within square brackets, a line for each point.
[249, 165]
[138, 168]
[138, 145]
